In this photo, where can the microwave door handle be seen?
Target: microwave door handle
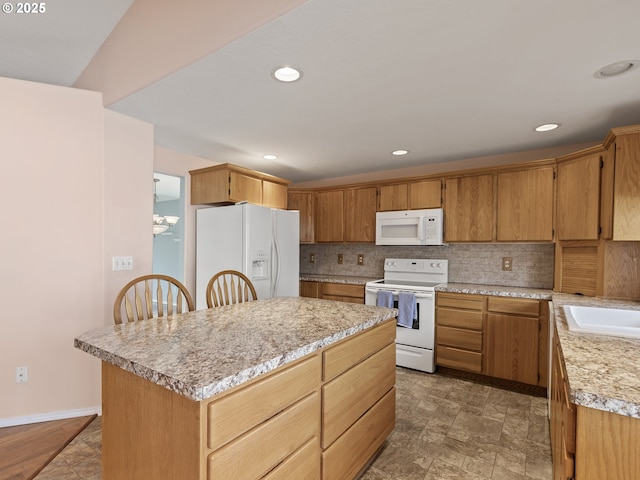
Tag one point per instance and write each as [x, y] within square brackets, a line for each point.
[421, 228]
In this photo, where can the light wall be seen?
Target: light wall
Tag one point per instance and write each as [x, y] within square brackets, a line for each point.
[73, 190]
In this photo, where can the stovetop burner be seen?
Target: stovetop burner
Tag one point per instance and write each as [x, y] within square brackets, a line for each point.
[417, 273]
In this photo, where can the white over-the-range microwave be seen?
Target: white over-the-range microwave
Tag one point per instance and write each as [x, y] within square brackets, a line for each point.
[410, 227]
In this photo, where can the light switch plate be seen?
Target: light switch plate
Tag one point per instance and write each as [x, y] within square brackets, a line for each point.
[340, 258]
[122, 263]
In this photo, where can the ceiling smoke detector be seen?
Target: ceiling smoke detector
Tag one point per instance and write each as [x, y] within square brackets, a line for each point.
[617, 68]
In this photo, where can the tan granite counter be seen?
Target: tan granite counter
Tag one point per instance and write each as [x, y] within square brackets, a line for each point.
[496, 290]
[603, 370]
[348, 280]
[202, 353]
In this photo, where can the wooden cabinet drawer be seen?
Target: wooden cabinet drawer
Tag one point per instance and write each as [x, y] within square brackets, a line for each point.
[235, 414]
[348, 396]
[459, 318]
[346, 457]
[457, 358]
[518, 306]
[346, 354]
[304, 463]
[342, 289]
[458, 337]
[460, 300]
[258, 451]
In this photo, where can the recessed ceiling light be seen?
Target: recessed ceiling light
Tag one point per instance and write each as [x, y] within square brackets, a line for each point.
[286, 74]
[399, 152]
[547, 127]
[270, 157]
[617, 68]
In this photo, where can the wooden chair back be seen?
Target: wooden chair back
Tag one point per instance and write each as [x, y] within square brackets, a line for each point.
[151, 296]
[229, 287]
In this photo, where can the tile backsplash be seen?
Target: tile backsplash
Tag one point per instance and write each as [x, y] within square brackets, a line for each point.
[468, 263]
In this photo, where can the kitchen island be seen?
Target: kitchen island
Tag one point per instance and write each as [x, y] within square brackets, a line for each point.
[278, 388]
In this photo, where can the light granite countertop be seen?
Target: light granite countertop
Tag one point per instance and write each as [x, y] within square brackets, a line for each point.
[200, 354]
[496, 290]
[346, 279]
[603, 370]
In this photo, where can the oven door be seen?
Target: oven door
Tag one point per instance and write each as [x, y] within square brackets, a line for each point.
[424, 335]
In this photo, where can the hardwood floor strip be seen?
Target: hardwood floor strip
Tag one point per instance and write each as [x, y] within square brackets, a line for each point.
[26, 449]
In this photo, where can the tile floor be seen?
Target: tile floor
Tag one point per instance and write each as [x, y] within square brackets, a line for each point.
[445, 428]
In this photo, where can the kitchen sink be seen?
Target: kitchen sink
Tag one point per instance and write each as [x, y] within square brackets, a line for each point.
[606, 321]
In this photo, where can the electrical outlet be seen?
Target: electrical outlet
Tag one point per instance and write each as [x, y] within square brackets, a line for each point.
[312, 258]
[507, 264]
[360, 259]
[21, 375]
[340, 258]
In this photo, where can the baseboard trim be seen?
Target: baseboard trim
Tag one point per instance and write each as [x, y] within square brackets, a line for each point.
[47, 417]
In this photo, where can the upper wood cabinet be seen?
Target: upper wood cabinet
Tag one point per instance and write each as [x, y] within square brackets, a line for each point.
[468, 209]
[626, 192]
[274, 194]
[393, 197]
[360, 214]
[227, 184]
[303, 202]
[425, 194]
[525, 205]
[410, 196]
[329, 213]
[578, 199]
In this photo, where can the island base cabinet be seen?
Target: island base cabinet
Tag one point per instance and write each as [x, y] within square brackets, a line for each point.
[349, 454]
[269, 428]
[144, 432]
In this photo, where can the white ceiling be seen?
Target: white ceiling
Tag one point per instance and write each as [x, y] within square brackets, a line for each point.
[444, 79]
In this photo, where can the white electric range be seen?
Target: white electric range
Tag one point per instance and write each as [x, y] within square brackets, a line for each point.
[420, 276]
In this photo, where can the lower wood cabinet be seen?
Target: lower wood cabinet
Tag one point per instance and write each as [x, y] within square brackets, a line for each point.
[562, 424]
[495, 336]
[459, 325]
[323, 417]
[339, 292]
[586, 443]
[512, 339]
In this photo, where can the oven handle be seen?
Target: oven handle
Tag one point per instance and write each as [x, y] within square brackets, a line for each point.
[395, 292]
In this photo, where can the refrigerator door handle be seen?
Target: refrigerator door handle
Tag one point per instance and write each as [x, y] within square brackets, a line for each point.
[275, 254]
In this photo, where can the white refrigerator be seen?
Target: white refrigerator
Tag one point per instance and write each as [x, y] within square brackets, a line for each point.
[261, 242]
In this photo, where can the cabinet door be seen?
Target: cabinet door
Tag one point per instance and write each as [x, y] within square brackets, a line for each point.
[330, 216]
[303, 202]
[577, 211]
[469, 209]
[243, 187]
[511, 348]
[308, 289]
[626, 193]
[427, 194]
[525, 205]
[360, 215]
[274, 195]
[393, 197]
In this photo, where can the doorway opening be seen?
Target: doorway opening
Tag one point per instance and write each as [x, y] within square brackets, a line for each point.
[168, 246]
